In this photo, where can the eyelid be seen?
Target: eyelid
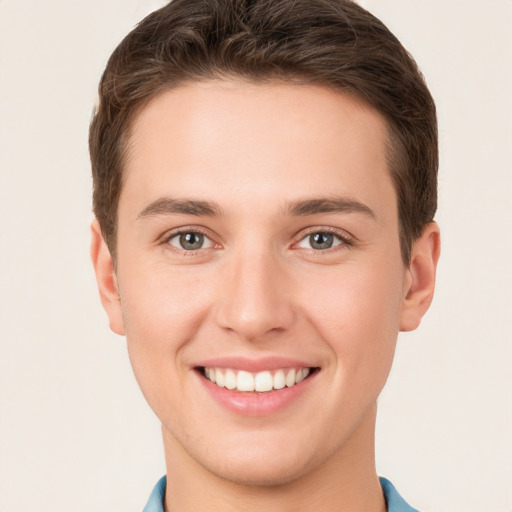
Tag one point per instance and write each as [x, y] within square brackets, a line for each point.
[207, 245]
[346, 238]
[168, 235]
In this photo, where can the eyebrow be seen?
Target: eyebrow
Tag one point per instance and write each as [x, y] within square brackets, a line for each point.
[167, 205]
[304, 207]
[327, 205]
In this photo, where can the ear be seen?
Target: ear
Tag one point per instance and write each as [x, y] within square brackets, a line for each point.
[420, 277]
[106, 279]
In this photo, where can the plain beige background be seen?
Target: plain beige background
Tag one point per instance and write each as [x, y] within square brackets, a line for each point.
[75, 432]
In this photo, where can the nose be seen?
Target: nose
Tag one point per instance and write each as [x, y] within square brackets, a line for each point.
[255, 297]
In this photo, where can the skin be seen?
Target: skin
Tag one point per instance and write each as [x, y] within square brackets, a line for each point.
[259, 288]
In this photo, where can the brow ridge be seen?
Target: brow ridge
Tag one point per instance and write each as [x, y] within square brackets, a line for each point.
[303, 207]
[314, 206]
[168, 205]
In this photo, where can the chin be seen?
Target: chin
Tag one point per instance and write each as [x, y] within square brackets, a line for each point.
[260, 466]
[266, 475]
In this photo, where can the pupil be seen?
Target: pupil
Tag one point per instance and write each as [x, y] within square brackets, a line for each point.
[321, 241]
[191, 241]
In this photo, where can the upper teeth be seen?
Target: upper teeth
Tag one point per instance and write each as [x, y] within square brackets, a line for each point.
[240, 380]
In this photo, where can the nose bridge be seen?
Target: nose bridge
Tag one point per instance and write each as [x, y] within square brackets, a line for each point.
[255, 300]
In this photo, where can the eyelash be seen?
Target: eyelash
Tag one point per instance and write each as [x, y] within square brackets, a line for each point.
[185, 230]
[345, 239]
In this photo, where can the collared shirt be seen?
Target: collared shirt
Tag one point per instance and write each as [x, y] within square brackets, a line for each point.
[395, 502]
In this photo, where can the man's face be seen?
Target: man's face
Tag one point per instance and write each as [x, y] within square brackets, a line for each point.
[258, 236]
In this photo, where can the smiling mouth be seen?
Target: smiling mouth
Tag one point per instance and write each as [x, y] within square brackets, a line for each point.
[260, 382]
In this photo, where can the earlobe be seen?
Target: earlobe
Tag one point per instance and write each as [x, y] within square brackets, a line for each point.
[106, 279]
[421, 277]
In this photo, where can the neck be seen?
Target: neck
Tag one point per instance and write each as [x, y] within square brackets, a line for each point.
[346, 481]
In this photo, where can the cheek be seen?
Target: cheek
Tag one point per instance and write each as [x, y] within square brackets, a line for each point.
[162, 310]
[358, 317]
[162, 304]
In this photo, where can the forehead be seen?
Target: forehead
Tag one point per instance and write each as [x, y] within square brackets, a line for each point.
[228, 138]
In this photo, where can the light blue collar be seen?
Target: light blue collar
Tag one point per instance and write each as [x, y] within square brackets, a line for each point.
[156, 498]
[394, 501]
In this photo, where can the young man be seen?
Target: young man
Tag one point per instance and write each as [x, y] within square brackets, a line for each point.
[264, 187]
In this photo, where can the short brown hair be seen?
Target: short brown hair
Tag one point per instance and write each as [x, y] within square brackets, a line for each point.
[334, 43]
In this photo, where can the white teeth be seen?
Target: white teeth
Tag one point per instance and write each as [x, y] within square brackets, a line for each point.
[230, 379]
[263, 382]
[245, 381]
[301, 375]
[279, 380]
[219, 378]
[290, 378]
[260, 382]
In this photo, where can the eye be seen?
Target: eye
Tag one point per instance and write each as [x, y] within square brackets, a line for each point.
[320, 241]
[190, 241]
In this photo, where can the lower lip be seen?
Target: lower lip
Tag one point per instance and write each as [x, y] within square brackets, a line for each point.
[254, 403]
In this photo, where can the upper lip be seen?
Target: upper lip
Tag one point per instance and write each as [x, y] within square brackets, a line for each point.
[253, 365]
